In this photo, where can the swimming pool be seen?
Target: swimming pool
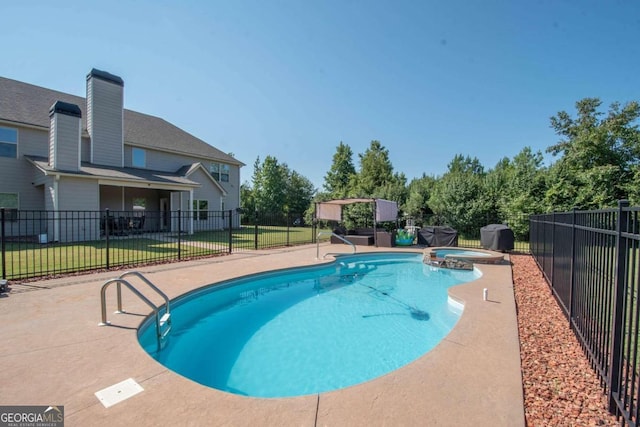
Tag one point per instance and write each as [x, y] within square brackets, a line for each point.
[310, 330]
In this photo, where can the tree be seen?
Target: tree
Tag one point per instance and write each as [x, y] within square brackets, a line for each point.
[340, 176]
[276, 189]
[269, 185]
[300, 192]
[419, 192]
[496, 182]
[248, 203]
[376, 170]
[523, 190]
[458, 198]
[375, 179]
[599, 156]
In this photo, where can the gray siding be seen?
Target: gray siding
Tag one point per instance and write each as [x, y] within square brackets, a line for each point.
[66, 142]
[85, 146]
[16, 175]
[33, 142]
[208, 191]
[104, 122]
[170, 162]
[78, 195]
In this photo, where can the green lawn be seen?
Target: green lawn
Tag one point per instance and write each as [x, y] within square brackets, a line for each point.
[268, 236]
[33, 260]
[25, 260]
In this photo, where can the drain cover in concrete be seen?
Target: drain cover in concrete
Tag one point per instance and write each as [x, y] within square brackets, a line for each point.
[118, 392]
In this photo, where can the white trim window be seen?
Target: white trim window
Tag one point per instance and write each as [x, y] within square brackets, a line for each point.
[11, 203]
[224, 172]
[200, 210]
[219, 171]
[138, 157]
[8, 142]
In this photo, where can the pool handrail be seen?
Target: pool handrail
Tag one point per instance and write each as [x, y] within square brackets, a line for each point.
[331, 233]
[160, 321]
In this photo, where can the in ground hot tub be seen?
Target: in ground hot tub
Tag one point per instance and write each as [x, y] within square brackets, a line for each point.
[479, 256]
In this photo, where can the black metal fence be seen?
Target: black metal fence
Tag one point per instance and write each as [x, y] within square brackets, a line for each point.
[49, 243]
[591, 261]
[519, 224]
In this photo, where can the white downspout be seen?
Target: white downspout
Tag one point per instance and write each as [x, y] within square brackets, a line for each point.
[190, 216]
[56, 211]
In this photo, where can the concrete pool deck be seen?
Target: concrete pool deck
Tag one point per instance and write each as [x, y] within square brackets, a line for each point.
[54, 353]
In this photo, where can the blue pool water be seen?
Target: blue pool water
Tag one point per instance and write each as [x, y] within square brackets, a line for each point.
[310, 330]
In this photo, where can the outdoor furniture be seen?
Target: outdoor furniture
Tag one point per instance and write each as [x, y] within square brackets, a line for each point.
[437, 236]
[137, 224]
[359, 236]
[386, 239]
[497, 237]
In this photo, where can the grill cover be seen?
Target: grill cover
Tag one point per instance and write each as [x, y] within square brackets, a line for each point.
[497, 237]
[438, 236]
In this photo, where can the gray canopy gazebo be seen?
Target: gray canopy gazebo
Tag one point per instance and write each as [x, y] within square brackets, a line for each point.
[383, 210]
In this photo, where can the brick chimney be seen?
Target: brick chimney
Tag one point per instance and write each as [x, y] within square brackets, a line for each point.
[64, 136]
[105, 104]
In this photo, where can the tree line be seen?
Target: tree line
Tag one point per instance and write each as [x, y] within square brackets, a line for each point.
[597, 162]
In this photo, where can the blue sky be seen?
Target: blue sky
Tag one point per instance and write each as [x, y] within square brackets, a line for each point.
[291, 79]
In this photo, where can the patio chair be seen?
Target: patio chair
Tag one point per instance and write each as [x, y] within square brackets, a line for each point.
[138, 224]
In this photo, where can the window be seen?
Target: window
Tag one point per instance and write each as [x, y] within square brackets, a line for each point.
[138, 158]
[9, 201]
[224, 173]
[200, 210]
[214, 169]
[8, 142]
[219, 172]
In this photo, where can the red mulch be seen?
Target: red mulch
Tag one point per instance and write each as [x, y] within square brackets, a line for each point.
[560, 387]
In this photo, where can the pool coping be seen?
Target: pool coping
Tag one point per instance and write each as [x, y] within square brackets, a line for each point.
[492, 257]
[55, 354]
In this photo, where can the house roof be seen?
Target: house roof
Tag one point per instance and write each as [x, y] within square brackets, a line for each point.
[131, 175]
[187, 170]
[27, 104]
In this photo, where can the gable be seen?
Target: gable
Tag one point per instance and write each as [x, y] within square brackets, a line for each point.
[196, 172]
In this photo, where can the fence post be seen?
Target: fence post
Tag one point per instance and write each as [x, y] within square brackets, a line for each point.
[106, 235]
[179, 231]
[255, 231]
[230, 230]
[618, 313]
[553, 248]
[2, 237]
[288, 227]
[572, 266]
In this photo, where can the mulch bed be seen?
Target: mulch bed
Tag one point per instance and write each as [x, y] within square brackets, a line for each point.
[560, 387]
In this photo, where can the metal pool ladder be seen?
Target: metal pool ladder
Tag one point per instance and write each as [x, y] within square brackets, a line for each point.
[325, 233]
[163, 323]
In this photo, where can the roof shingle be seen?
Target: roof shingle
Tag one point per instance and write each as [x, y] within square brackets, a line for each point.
[23, 103]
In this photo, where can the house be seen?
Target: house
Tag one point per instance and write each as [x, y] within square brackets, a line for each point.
[60, 152]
